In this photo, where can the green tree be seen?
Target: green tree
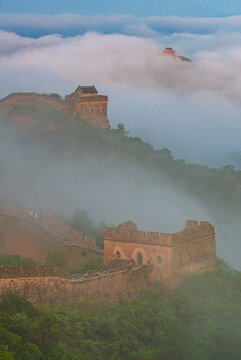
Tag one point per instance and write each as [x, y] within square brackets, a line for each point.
[82, 222]
[61, 352]
[29, 351]
[5, 354]
[14, 303]
[55, 258]
[121, 130]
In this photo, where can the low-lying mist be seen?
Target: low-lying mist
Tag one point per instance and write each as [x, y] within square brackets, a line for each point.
[58, 177]
[191, 108]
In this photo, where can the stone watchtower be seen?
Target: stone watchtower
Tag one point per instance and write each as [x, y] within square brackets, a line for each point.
[192, 250]
[88, 105]
[170, 52]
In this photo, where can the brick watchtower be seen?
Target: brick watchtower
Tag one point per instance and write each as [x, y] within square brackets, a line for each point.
[191, 250]
[88, 105]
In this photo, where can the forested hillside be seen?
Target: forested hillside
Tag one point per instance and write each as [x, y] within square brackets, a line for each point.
[201, 320]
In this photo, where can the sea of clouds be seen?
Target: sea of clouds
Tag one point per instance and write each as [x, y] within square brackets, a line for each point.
[192, 108]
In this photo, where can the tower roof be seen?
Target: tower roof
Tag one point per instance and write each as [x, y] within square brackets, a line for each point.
[87, 89]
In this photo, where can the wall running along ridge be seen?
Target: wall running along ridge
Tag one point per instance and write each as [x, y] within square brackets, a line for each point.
[125, 284]
[165, 257]
[21, 234]
[92, 108]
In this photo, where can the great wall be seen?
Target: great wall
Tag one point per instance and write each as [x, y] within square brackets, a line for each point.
[84, 103]
[133, 259]
[52, 232]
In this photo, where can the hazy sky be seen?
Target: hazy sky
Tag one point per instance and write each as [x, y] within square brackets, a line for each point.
[135, 7]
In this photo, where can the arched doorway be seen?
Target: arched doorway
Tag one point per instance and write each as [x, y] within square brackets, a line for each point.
[118, 255]
[139, 258]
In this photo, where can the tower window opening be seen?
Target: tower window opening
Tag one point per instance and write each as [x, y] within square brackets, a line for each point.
[159, 259]
[139, 258]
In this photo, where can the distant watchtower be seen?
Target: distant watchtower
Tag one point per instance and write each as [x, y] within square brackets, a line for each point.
[88, 105]
[170, 52]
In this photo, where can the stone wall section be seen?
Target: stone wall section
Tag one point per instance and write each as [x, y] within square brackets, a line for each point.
[13, 272]
[172, 255]
[193, 230]
[90, 108]
[125, 284]
[150, 255]
[31, 98]
[25, 236]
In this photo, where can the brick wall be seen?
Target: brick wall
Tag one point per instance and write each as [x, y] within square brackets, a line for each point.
[172, 255]
[12, 272]
[92, 109]
[125, 284]
[22, 235]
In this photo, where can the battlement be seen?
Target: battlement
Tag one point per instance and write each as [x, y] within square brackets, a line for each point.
[128, 232]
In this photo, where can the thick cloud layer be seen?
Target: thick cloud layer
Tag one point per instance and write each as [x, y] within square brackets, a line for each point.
[120, 60]
[192, 108]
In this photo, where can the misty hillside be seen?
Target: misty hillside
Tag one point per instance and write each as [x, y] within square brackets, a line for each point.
[56, 163]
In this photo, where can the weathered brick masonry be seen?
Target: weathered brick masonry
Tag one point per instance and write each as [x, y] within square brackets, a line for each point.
[151, 256]
[191, 250]
[124, 284]
[85, 103]
[22, 235]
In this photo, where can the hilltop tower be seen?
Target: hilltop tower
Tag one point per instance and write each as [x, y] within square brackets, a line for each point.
[85, 103]
[88, 105]
[170, 52]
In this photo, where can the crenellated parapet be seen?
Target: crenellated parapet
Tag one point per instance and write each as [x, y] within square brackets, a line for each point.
[193, 230]
[192, 250]
[138, 236]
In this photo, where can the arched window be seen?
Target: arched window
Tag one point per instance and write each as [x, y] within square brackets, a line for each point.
[159, 259]
[118, 255]
[139, 258]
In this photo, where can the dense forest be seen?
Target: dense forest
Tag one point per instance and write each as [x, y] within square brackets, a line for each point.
[199, 321]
